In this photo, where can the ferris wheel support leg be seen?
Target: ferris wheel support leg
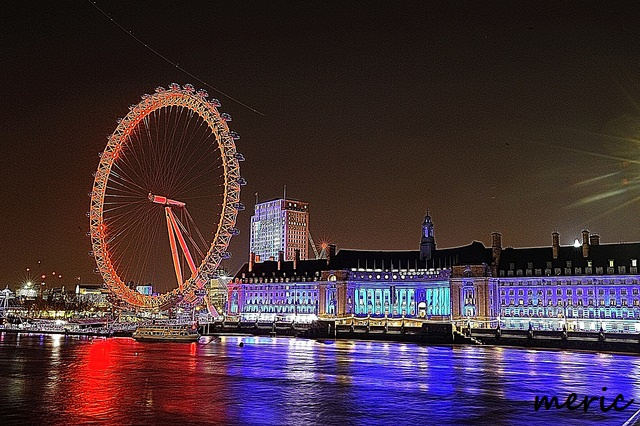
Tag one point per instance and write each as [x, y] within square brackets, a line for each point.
[183, 244]
[174, 248]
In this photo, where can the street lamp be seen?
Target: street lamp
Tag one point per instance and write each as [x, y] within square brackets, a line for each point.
[295, 302]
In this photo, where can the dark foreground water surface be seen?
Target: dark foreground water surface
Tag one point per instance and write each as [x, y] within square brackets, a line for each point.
[49, 379]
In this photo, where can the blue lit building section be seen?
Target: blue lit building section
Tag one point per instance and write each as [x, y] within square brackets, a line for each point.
[418, 294]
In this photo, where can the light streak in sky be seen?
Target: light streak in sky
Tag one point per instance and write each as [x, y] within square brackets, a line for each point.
[175, 64]
[621, 185]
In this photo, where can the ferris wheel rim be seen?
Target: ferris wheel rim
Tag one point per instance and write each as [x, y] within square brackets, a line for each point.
[195, 101]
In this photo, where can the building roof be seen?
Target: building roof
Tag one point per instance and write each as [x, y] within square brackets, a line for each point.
[346, 259]
[475, 253]
[569, 258]
[91, 286]
[269, 268]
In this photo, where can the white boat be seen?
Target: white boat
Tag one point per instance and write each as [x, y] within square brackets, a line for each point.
[166, 333]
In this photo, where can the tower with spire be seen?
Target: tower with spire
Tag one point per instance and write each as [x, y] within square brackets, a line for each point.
[428, 240]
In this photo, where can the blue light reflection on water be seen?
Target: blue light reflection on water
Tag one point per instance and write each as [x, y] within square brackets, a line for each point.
[279, 381]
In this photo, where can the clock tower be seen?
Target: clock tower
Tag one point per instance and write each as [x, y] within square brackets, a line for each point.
[428, 241]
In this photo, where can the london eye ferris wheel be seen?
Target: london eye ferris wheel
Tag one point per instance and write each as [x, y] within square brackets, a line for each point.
[165, 198]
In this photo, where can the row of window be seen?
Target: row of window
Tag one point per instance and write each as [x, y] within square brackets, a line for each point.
[260, 301]
[569, 264]
[280, 309]
[569, 302]
[261, 280]
[282, 294]
[599, 270]
[568, 281]
[571, 313]
[569, 291]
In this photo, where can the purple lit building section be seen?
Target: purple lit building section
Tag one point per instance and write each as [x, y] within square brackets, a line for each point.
[584, 286]
[582, 302]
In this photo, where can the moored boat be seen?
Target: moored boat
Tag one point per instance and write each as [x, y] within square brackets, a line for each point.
[166, 333]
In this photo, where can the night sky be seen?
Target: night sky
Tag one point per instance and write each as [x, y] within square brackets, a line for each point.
[518, 117]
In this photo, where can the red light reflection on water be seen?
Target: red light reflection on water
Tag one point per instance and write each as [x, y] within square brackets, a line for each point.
[123, 381]
[91, 389]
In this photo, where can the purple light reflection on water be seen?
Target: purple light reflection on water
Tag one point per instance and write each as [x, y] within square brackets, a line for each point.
[70, 380]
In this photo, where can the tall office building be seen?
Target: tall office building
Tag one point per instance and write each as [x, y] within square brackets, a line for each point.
[280, 225]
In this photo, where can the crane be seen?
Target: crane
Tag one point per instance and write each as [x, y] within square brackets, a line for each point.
[313, 246]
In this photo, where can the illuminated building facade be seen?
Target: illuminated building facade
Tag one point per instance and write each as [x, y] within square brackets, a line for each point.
[354, 282]
[28, 291]
[393, 283]
[280, 225]
[587, 286]
[276, 290]
[94, 294]
[584, 286]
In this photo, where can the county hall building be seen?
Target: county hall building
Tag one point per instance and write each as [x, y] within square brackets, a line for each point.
[586, 286]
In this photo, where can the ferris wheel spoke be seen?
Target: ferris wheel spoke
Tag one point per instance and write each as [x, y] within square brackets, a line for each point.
[197, 172]
[194, 226]
[188, 234]
[126, 219]
[141, 246]
[186, 150]
[125, 182]
[128, 172]
[194, 183]
[130, 229]
[202, 138]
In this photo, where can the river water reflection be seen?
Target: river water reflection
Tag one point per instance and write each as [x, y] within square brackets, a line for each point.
[49, 379]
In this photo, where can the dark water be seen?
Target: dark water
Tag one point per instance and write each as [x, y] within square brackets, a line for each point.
[46, 379]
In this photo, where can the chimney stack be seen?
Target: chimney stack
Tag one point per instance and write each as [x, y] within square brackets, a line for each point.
[555, 247]
[280, 259]
[296, 259]
[594, 240]
[252, 261]
[496, 246]
[585, 243]
[331, 254]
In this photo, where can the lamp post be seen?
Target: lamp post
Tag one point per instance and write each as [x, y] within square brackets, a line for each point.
[595, 298]
[295, 302]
